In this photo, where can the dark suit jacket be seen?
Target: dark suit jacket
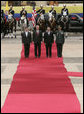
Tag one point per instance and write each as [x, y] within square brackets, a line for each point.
[26, 40]
[37, 38]
[48, 39]
[60, 37]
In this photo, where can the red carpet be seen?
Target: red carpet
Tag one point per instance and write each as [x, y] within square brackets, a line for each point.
[75, 74]
[41, 86]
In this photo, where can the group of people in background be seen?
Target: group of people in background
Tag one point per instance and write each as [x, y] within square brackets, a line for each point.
[64, 11]
[48, 39]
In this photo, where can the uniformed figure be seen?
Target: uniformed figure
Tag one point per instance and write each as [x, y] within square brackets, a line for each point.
[10, 16]
[23, 12]
[26, 40]
[41, 10]
[65, 14]
[48, 40]
[59, 41]
[37, 38]
[11, 11]
[2, 13]
[53, 11]
[64, 11]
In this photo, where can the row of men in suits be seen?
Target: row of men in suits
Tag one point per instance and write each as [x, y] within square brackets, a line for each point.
[48, 40]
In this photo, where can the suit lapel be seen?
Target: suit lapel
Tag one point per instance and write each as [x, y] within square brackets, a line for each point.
[27, 34]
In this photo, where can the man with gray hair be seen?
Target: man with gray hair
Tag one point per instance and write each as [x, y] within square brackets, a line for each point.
[37, 38]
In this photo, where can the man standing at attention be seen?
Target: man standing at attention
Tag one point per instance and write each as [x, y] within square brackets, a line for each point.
[48, 40]
[37, 38]
[26, 40]
[59, 41]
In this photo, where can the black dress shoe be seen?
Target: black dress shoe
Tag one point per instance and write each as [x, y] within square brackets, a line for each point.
[50, 56]
[27, 57]
[59, 56]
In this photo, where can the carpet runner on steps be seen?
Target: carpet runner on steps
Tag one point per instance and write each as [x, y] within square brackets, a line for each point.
[41, 85]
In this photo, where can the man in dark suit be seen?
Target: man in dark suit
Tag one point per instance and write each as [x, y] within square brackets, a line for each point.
[37, 38]
[48, 40]
[26, 40]
[59, 41]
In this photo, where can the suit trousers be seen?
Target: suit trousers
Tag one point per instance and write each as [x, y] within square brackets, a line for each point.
[59, 50]
[48, 49]
[26, 50]
[37, 48]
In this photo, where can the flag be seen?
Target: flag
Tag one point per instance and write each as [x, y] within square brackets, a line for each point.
[6, 10]
[33, 16]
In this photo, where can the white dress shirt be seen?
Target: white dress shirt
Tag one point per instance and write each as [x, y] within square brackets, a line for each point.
[26, 34]
[49, 33]
[37, 31]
